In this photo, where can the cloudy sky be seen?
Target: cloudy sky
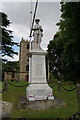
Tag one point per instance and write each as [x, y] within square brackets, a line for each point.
[19, 14]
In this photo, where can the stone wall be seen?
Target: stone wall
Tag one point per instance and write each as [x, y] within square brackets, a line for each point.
[7, 76]
[11, 76]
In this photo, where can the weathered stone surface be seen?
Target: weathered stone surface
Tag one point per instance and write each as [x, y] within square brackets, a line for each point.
[38, 87]
[37, 34]
[5, 109]
[40, 104]
[39, 91]
[23, 58]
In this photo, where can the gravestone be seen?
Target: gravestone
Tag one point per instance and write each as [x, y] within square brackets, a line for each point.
[38, 88]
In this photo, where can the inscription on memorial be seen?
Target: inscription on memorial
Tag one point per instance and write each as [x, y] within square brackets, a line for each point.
[38, 65]
[39, 70]
[38, 59]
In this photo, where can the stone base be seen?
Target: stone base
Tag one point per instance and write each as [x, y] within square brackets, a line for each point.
[24, 104]
[5, 109]
[38, 92]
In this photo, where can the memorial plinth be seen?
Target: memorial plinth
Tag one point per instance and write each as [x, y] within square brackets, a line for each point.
[38, 88]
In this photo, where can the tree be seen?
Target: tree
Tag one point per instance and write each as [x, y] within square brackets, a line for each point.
[7, 38]
[70, 29]
[11, 66]
[67, 43]
[55, 49]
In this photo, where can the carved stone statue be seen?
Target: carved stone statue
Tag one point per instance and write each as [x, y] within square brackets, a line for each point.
[37, 34]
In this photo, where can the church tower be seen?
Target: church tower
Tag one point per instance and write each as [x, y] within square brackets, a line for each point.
[24, 59]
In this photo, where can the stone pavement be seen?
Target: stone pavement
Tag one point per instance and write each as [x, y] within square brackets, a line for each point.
[24, 104]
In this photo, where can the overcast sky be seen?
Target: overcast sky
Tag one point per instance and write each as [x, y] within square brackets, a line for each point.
[19, 14]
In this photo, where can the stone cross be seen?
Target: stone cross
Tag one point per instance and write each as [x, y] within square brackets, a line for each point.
[37, 34]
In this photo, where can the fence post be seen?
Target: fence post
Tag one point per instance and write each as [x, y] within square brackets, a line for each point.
[59, 86]
[78, 96]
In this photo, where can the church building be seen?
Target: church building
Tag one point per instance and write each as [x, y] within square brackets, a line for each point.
[24, 60]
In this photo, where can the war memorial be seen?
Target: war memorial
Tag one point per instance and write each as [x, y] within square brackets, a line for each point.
[38, 88]
[39, 96]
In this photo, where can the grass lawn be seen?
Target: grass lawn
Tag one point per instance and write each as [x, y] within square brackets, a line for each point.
[13, 93]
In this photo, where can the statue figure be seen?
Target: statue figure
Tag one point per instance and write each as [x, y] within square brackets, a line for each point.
[37, 34]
